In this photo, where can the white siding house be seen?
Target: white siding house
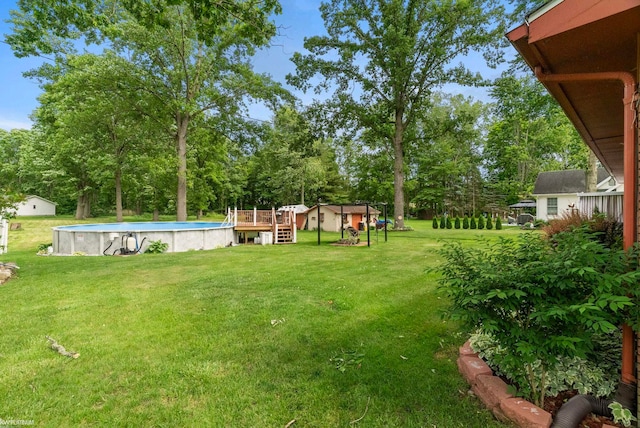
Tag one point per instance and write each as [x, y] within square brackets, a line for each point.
[35, 205]
[559, 192]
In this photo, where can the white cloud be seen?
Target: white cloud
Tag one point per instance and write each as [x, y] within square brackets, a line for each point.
[9, 124]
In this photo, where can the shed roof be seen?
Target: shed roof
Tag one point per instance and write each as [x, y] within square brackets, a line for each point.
[348, 209]
[569, 181]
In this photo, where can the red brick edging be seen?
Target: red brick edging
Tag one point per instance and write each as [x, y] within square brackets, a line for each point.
[492, 391]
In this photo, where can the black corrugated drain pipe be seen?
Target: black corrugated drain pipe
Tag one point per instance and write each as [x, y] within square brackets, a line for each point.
[577, 408]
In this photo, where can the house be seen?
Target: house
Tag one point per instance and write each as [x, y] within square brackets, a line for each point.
[558, 192]
[35, 205]
[585, 53]
[335, 217]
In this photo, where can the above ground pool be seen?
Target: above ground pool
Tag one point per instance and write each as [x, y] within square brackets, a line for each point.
[133, 238]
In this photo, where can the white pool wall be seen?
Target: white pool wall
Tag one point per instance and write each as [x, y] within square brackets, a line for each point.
[69, 241]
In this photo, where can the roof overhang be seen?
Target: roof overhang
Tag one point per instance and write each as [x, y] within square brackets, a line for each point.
[598, 38]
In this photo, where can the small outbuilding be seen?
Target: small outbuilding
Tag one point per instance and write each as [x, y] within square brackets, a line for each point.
[35, 205]
[334, 218]
[557, 192]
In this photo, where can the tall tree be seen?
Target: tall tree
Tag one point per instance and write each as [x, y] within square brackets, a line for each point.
[192, 69]
[384, 59]
[447, 156]
[528, 134]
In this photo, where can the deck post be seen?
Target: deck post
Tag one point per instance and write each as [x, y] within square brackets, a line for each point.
[294, 226]
[255, 216]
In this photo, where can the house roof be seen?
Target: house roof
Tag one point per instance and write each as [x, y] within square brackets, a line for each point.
[39, 197]
[348, 209]
[559, 182]
[567, 38]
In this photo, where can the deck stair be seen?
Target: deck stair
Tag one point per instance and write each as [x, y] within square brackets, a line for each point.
[282, 223]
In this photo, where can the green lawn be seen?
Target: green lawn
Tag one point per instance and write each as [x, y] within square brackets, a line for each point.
[237, 337]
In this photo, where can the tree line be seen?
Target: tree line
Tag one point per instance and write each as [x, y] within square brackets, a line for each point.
[157, 120]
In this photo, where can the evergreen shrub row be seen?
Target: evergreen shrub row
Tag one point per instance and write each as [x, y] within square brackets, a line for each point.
[467, 223]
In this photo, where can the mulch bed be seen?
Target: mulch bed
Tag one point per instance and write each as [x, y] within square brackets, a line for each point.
[553, 404]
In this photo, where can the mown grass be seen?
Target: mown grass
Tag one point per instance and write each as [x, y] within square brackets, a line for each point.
[240, 337]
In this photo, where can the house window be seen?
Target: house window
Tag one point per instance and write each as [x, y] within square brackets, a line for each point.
[321, 217]
[552, 206]
[34, 207]
[345, 218]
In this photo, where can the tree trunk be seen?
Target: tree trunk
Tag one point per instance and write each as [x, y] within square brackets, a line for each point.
[156, 215]
[119, 216]
[87, 206]
[181, 149]
[398, 172]
[592, 173]
[80, 206]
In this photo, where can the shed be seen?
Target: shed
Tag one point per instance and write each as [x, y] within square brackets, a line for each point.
[35, 205]
[330, 220]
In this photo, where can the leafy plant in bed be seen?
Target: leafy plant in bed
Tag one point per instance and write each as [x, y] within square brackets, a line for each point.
[544, 302]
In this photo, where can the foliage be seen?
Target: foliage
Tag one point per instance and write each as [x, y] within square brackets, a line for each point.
[457, 223]
[449, 225]
[157, 247]
[472, 223]
[607, 230]
[435, 222]
[622, 415]
[345, 359]
[481, 222]
[489, 223]
[540, 299]
[9, 202]
[465, 222]
[384, 60]
[443, 222]
[564, 374]
[529, 134]
[498, 223]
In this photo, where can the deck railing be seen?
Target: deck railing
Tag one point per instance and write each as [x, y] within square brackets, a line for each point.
[257, 217]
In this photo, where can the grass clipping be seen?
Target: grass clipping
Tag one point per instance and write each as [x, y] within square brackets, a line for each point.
[61, 349]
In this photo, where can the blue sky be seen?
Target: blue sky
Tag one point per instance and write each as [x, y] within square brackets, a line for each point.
[300, 19]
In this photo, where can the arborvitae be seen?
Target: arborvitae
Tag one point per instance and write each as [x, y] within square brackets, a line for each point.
[443, 222]
[465, 222]
[456, 224]
[498, 223]
[473, 223]
[489, 223]
[481, 222]
[449, 224]
[435, 222]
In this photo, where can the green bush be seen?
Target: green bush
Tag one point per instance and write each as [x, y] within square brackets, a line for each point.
[498, 223]
[465, 222]
[443, 222]
[481, 222]
[541, 299]
[566, 373]
[449, 224]
[489, 223]
[472, 224]
[456, 224]
[157, 247]
[435, 222]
